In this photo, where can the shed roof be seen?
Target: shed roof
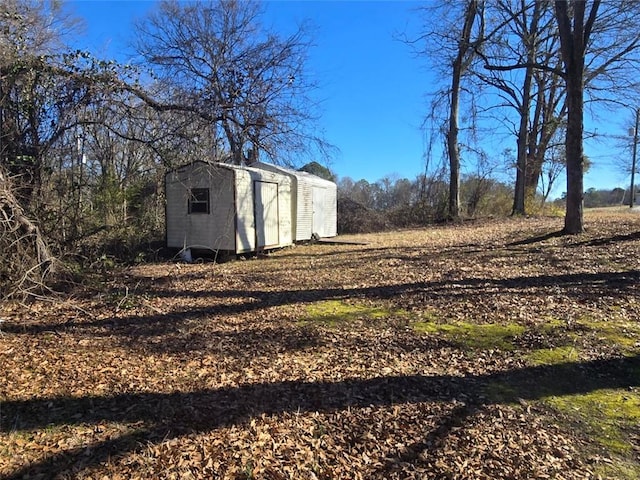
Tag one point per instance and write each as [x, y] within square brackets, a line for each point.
[295, 173]
[228, 166]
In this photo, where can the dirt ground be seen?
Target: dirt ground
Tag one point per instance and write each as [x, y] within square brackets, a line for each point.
[486, 350]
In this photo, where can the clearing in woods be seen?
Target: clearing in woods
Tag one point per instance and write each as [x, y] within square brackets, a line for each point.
[493, 349]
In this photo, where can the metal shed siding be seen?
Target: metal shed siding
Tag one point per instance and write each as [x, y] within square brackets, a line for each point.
[248, 228]
[266, 213]
[175, 220]
[282, 211]
[285, 211]
[245, 234]
[326, 222]
[304, 213]
[319, 207]
[330, 225]
[303, 185]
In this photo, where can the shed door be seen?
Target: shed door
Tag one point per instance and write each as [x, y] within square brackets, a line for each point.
[318, 211]
[266, 211]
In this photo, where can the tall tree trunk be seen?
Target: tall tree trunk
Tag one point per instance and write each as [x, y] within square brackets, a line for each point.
[453, 149]
[573, 221]
[573, 42]
[531, 43]
[535, 151]
[460, 64]
[523, 142]
[545, 125]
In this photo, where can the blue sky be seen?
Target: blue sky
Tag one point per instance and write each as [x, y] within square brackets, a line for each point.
[372, 88]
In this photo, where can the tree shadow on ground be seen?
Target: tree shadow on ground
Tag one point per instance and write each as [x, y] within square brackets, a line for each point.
[596, 242]
[170, 415]
[135, 327]
[537, 239]
[599, 242]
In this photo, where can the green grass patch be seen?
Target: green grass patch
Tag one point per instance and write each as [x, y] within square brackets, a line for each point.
[614, 332]
[621, 470]
[552, 324]
[609, 417]
[472, 336]
[553, 356]
[608, 414]
[335, 312]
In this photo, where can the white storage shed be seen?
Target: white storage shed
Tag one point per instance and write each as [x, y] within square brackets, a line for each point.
[218, 206]
[314, 203]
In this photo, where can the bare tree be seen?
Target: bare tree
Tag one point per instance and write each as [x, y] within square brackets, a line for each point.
[451, 34]
[215, 60]
[574, 28]
[463, 58]
[27, 258]
[519, 56]
[548, 118]
[599, 45]
[29, 84]
[533, 50]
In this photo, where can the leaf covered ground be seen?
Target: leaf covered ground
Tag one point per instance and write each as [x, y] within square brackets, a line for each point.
[486, 350]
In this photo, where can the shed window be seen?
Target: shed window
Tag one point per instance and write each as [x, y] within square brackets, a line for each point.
[199, 200]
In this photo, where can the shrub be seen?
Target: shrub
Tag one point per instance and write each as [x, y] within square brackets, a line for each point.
[353, 217]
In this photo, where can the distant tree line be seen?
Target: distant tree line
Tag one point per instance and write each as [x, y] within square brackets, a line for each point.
[400, 203]
[392, 203]
[594, 198]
